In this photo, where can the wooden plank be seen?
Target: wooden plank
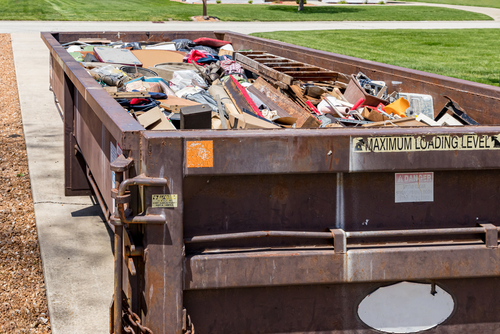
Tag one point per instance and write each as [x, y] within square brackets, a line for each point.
[128, 95]
[285, 103]
[296, 69]
[259, 69]
[174, 103]
[316, 74]
[286, 63]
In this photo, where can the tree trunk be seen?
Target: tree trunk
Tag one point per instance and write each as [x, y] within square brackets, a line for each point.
[301, 5]
[205, 16]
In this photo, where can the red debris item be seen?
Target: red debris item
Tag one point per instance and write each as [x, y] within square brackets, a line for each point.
[247, 97]
[216, 43]
[195, 55]
[138, 101]
[357, 104]
[313, 108]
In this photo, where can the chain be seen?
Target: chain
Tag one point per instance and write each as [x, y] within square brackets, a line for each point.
[134, 320]
[189, 326]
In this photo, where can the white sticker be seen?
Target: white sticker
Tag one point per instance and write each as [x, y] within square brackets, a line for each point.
[414, 187]
[112, 152]
[112, 157]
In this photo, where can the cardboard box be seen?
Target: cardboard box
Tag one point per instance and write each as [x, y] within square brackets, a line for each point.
[154, 119]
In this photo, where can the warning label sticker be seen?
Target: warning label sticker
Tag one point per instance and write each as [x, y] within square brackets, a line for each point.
[164, 201]
[466, 142]
[414, 187]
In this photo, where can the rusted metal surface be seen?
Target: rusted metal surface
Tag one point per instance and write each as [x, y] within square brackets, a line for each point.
[247, 245]
[322, 308]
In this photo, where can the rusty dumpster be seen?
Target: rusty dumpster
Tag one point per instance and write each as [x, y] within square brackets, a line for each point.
[290, 230]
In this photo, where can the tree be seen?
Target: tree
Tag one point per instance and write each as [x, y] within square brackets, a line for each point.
[301, 5]
[205, 16]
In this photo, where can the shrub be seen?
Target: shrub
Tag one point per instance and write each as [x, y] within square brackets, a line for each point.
[297, 2]
[250, 1]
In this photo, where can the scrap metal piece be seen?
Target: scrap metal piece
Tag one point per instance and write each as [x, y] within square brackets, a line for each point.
[457, 111]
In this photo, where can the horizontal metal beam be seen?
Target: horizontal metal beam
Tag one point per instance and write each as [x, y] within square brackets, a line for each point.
[297, 267]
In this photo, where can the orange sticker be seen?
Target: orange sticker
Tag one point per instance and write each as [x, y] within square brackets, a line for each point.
[199, 154]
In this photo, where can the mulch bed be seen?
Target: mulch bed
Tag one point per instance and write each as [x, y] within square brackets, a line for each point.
[23, 303]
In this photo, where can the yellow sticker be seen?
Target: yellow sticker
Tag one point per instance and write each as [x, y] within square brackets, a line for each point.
[199, 154]
[164, 201]
[466, 142]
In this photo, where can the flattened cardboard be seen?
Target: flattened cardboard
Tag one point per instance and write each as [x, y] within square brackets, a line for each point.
[154, 119]
[152, 57]
[247, 121]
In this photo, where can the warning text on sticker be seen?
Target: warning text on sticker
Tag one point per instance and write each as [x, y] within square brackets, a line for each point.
[428, 143]
[414, 187]
[164, 201]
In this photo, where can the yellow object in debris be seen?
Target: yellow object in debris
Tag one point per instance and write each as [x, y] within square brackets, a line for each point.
[397, 107]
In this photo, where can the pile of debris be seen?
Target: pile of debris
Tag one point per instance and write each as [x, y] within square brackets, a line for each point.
[205, 84]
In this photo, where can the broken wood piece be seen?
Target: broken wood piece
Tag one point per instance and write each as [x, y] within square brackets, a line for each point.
[240, 97]
[401, 122]
[340, 95]
[127, 95]
[285, 103]
[284, 117]
[174, 104]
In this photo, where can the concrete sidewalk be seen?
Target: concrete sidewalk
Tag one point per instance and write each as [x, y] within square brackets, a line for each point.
[243, 27]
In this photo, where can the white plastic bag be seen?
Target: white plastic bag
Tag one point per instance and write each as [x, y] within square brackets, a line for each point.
[186, 78]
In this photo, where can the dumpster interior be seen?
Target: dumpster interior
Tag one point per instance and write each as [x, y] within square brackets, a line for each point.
[205, 84]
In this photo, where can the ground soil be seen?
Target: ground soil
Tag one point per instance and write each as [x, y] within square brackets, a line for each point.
[23, 303]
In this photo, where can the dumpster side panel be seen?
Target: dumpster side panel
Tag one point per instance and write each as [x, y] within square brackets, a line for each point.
[330, 308]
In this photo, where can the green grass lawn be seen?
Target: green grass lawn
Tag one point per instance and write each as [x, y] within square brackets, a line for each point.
[469, 54]
[478, 3]
[159, 10]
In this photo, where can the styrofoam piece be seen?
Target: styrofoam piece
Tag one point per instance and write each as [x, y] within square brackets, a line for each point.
[168, 46]
[227, 47]
[449, 120]
[419, 104]
[427, 120]
[74, 48]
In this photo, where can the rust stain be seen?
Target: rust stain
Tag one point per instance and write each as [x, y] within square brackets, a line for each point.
[199, 154]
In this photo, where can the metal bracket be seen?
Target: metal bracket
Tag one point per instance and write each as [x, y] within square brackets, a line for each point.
[490, 235]
[123, 198]
[339, 241]
[121, 164]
